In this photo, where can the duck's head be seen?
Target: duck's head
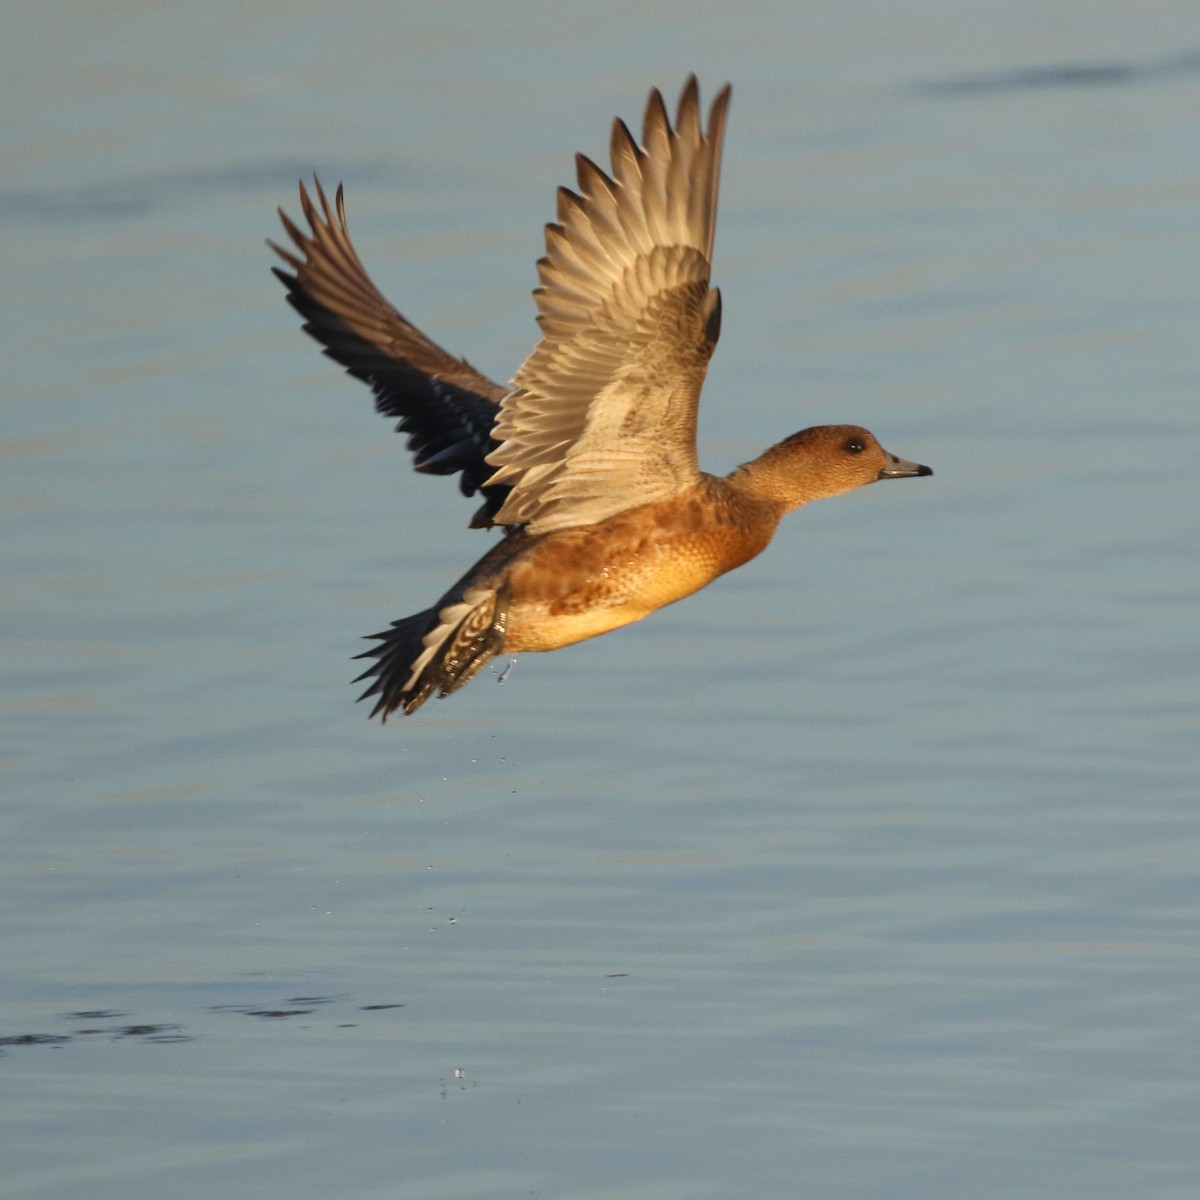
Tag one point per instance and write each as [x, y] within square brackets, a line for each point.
[825, 460]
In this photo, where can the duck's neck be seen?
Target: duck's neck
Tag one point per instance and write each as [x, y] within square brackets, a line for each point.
[773, 478]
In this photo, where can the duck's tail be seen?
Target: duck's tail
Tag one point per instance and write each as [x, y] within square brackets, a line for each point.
[438, 650]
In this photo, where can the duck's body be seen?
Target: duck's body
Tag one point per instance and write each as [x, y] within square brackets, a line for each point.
[576, 583]
[589, 461]
[581, 582]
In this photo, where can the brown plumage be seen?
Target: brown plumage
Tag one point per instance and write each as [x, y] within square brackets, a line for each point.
[588, 461]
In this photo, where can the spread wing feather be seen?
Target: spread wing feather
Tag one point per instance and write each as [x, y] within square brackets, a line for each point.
[446, 407]
[602, 416]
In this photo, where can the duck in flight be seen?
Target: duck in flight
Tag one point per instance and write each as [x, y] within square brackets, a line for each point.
[587, 460]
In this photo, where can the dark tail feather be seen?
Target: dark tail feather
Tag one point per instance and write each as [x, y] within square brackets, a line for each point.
[438, 650]
[399, 648]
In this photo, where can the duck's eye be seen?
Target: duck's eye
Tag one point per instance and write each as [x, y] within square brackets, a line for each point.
[855, 446]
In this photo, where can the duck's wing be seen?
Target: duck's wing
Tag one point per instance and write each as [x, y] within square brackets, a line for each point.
[602, 417]
[445, 405]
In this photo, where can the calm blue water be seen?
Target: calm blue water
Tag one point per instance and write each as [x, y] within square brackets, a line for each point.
[872, 870]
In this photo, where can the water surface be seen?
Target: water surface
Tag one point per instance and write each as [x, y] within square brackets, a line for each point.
[870, 870]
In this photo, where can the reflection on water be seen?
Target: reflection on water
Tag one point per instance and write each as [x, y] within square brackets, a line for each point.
[115, 1027]
[1064, 75]
[128, 198]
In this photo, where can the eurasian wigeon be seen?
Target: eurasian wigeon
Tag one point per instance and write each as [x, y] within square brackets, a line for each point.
[587, 461]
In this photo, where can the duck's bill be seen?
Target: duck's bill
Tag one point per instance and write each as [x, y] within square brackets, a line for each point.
[901, 468]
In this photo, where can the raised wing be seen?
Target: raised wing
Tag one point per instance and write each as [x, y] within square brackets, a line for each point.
[446, 407]
[603, 413]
